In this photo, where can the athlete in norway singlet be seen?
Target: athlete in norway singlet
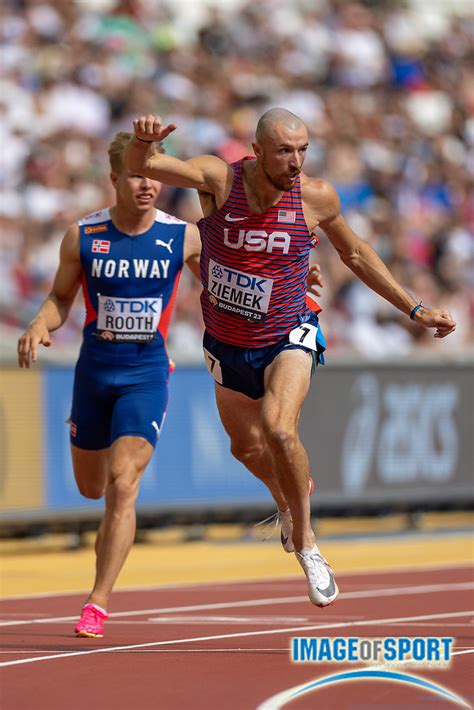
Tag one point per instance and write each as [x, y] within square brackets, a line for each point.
[129, 285]
[254, 268]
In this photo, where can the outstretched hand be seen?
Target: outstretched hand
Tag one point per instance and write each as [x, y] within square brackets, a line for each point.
[438, 318]
[36, 334]
[314, 281]
[150, 128]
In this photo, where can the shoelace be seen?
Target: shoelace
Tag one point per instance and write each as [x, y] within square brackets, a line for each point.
[266, 528]
[91, 615]
[317, 568]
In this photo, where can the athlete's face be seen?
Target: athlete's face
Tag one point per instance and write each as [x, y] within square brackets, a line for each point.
[135, 192]
[281, 154]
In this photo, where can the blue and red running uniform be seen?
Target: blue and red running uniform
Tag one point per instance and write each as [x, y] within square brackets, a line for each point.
[254, 269]
[129, 285]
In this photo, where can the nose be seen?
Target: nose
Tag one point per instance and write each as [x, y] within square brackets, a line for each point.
[296, 160]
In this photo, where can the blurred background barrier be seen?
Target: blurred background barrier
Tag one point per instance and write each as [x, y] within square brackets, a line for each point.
[394, 437]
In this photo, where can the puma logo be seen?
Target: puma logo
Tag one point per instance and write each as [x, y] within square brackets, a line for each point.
[166, 245]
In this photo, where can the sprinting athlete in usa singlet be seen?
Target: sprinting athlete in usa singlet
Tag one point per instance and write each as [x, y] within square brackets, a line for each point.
[256, 234]
[254, 268]
[129, 285]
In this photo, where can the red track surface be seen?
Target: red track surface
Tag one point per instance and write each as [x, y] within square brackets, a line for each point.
[220, 654]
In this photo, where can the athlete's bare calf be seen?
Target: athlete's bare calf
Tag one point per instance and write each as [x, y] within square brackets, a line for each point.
[116, 473]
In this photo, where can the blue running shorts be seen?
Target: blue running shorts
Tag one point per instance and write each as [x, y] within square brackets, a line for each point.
[116, 400]
[242, 369]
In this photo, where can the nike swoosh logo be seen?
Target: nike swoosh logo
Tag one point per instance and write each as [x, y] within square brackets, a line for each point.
[228, 218]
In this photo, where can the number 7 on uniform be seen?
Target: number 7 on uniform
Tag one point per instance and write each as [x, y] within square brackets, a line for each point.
[213, 365]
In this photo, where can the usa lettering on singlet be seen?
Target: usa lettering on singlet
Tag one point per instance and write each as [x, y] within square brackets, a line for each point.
[129, 282]
[254, 267]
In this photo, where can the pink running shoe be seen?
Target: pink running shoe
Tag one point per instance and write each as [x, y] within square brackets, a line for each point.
[91, 624]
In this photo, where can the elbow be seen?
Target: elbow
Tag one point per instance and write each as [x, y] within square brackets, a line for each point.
[351, 258]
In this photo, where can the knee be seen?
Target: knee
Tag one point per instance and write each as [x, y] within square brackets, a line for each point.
[245, 453]
[90, 490]
[122, 488]
[281, 439]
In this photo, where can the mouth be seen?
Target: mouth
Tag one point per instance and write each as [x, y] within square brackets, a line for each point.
[145, 198]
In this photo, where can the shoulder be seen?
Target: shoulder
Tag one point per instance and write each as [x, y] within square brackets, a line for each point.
[210, 163]
[320, 197]
[70, 245]
[165, 218]
[95, 217]
[218, 174]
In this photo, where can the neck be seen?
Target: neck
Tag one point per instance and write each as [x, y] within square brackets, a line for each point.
[261, 193]
[132, 222]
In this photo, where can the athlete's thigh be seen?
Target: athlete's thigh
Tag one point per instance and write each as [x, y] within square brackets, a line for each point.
[241, 417]
[90, 470]
[92, 403]
[140, 405]
[287, 381]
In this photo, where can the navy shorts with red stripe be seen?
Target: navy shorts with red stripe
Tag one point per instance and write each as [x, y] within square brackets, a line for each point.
[243, 369]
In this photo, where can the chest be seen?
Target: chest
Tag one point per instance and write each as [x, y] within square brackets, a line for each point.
[120, 260]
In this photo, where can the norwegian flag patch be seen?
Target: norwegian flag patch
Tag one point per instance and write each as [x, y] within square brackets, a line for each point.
[100, 246]
[288, 216]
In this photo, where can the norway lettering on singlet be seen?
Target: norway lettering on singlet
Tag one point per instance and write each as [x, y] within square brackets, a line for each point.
[254, 267]
[129, 285]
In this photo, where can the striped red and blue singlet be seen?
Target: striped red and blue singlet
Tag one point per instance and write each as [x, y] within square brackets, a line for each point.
[254, 267]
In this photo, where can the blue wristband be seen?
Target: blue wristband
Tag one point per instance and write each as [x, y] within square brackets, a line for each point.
[416, 308]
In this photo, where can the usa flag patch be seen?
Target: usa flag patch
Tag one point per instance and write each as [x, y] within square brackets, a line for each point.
[101, 246]
[288, 216]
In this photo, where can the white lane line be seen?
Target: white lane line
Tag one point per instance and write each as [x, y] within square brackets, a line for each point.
[253, 649]
[281, 649]
[185, 586]
[390, 591]
[242, 634]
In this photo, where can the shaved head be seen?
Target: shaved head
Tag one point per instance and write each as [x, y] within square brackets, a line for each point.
[276, 116]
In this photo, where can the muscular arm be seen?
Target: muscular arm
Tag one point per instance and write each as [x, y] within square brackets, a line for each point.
[364, 262]
[192, 249]
[55, 309]
[205, 172]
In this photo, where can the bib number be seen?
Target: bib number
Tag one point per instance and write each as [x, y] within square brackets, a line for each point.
[213, 365]
[305, 335]
[128, 320]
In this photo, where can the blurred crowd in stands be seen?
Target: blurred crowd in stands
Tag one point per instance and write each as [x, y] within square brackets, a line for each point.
[385, 88]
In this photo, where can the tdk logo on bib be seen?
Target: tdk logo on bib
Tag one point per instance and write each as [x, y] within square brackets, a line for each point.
[239, 293]
[133, 305]
[128, 319]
